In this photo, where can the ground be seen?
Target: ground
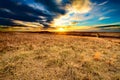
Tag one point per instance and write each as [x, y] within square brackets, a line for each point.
[34, 56]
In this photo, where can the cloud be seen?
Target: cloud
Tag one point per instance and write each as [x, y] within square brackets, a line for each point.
[81, 6]
[32, 10]
[53, 6]
[23, 12]
[103, 3]
[28, 24]
[52, 13]
[7, 22]
[6, 10]
[103, 18]
[75, 13]
[59, 1]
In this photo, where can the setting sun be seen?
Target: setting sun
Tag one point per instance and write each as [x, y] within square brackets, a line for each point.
[61, 29]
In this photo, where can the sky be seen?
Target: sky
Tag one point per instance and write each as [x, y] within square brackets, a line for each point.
[59, 13]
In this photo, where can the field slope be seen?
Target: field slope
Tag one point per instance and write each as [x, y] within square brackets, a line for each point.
[34, 56]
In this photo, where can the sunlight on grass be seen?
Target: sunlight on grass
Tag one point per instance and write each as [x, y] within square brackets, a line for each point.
[35, 56]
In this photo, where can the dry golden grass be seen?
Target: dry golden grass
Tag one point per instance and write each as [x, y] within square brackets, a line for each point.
[34, 56]
[97, 56]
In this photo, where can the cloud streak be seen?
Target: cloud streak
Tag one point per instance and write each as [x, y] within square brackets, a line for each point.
[103, 18]
[103, 3]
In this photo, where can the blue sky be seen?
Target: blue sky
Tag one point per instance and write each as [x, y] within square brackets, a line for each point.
[55, 13]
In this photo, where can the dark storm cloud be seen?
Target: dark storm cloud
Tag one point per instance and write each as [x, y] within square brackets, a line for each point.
[13, 9]
[52, 6]
[6, 22]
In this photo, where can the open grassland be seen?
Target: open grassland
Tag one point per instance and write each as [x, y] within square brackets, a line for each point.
[34, 56]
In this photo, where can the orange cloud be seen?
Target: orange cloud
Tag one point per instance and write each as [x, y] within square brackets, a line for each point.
[29, 24]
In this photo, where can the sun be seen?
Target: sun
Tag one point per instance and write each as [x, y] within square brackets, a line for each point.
[61, 29]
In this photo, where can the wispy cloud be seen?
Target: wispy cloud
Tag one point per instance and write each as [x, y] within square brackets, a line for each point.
[103, 3]
[59, 1]
[103, 18]
[6, 10]
[28, 24]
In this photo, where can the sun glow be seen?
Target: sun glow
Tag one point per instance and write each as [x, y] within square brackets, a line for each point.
[61, 29]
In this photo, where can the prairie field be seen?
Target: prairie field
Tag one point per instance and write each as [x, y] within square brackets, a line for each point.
[35, 56]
